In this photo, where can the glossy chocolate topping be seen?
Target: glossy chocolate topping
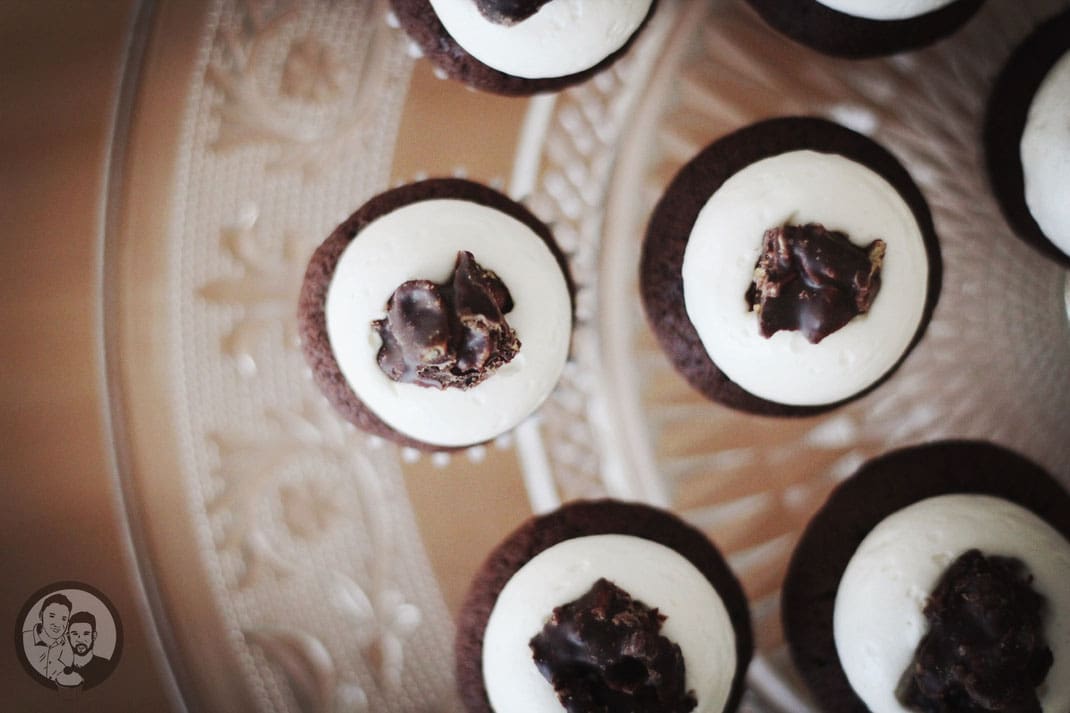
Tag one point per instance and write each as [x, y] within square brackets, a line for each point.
[985, 650]
[448, 335]
[509, 12]
[813, 280]
[603, 652]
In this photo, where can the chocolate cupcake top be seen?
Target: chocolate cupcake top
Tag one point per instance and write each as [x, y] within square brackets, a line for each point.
[935, 579]
[904, 629]
[621, 605]
[535, 40]
[846, 309]
[421, 241]
[802, 230]
[439, 315]
[683, 658]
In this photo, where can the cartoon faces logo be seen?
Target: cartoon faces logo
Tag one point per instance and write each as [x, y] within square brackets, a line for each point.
[68, 636]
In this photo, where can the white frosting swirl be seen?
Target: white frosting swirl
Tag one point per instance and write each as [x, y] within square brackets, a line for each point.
[885, 9]
[1045, 151]
[654, 574]
[878, 619]
[421, 241]
[564, 37]
[801, 187]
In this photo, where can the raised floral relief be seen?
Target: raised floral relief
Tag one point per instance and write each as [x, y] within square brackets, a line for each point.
[264, 285]
[255, 470]
[283, 87]
[383, 622]
[307, 663]
[308, 509]
[312, 71]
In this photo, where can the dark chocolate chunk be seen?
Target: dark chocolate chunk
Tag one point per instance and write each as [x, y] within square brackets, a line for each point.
[448, 335]
[603, 652]
[985, 649]
[509, 12]
[813, 280]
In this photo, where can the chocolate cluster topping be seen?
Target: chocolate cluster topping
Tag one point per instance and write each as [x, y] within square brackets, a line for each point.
[813, 280]
[509, 12]
[985, 649]
[449, 335]
[603, 652]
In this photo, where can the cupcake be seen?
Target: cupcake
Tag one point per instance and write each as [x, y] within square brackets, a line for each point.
[1027, 139]
[790, 267]
[936, 579]
[603, 605]
[865, 28]
[439, 315]
[522, 47]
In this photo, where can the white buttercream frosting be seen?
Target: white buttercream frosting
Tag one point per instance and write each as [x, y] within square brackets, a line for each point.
[878, 620]
[421, 241]
[696, 618]
[801, 187]
[885, 9]
[564, 37]
[1045, 151]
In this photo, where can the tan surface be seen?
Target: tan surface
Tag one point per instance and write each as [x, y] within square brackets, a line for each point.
[60, 64]
[459, 531]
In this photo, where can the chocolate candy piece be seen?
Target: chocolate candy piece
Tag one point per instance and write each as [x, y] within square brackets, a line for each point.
[813, 280]
[509, 12]
[985, 650]
[448, 335]
[603, 652]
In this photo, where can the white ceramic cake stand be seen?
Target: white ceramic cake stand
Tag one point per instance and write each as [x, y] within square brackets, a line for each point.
[295, 564]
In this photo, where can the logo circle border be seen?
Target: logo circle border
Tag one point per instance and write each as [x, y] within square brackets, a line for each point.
[39, 595]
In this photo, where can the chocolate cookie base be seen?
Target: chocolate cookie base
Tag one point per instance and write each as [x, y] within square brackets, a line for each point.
[312, 321]
[1008, 109]
[580, 519]
[880, 488]
[661, 280]
[835, 33]
[421, 23]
